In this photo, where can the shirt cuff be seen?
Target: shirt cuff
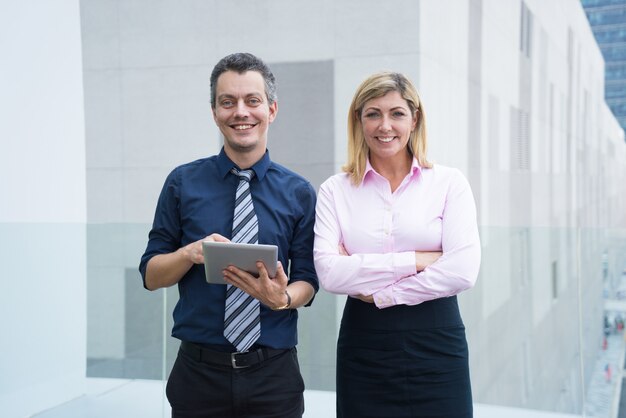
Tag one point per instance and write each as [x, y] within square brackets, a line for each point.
[384, 298]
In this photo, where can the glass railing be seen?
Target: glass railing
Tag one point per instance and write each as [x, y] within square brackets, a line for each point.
[544, 324]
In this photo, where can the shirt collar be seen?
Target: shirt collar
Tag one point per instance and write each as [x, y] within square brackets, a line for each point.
[413, 172]
[225, 164]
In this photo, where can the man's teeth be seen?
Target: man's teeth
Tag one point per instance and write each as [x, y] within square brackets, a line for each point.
[242, 127]
[386, 139]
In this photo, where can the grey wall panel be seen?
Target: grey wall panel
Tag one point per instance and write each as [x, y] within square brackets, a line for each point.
[302, 136]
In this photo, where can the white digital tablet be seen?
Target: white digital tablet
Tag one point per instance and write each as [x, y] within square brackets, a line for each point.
[219, 255]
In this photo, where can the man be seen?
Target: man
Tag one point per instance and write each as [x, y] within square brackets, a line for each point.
[228, 368]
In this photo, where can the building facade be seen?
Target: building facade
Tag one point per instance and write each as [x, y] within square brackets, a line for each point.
[513, 93]
[608, 22]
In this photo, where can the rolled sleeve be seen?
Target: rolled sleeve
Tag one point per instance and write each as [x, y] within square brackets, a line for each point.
[301, 250]
[165, 235]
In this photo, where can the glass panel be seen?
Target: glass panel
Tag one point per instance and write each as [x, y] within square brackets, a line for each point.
[545, 324]
[615, 71]
[591, 3]
[125, 329]
[608, 16]
[614, 53]
[618, 108]
[614, 90]
[611, 34]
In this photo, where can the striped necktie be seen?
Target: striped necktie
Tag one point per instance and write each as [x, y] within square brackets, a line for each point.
[242, 322]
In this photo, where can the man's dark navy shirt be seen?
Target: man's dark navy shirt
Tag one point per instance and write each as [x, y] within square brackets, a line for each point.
[198, 199]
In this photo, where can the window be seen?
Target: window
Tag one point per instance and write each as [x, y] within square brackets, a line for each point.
[520, 144]
[526, 26]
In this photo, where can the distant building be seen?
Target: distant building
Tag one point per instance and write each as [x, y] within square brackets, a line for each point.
[608, 22]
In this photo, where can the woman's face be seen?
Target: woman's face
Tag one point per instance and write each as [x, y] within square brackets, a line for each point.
[387, 124]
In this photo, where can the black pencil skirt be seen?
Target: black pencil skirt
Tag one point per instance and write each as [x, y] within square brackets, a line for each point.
[403, 361]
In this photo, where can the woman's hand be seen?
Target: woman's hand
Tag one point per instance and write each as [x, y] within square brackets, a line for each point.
[363, 298]
[424, 259]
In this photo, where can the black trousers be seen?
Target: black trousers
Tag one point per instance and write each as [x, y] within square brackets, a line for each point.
[271, 389]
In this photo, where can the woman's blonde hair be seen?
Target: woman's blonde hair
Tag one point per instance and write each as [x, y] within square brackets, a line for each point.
[377, 85]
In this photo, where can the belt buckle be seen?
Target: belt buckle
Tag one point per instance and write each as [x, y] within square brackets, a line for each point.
[233, 360]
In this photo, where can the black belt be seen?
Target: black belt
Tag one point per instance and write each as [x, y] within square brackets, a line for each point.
[235, 360]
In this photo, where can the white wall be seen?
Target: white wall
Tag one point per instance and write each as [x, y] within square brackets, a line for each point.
[42, 206]
[146, 83]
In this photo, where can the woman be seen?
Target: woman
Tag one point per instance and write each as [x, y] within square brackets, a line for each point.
[399, 236]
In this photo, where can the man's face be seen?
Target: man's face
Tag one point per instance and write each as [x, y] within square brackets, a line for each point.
[242, 111]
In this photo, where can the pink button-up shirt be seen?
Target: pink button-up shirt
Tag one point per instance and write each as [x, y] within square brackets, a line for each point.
[432, 210]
